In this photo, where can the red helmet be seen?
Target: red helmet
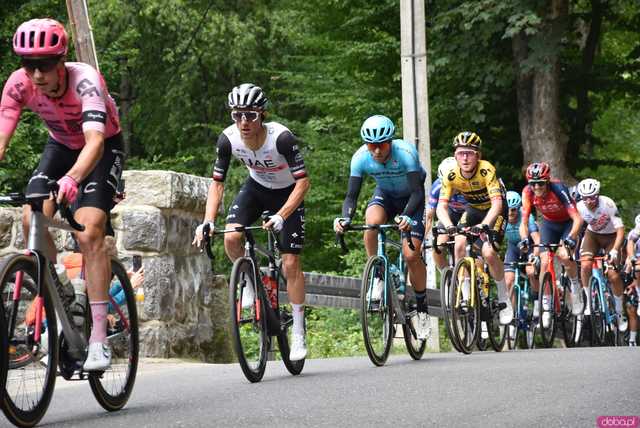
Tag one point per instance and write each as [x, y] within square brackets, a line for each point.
[40, 37]
[538, 171]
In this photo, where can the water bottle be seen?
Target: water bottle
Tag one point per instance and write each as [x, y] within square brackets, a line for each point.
[67, 294]
[79, 307]
[140, 299]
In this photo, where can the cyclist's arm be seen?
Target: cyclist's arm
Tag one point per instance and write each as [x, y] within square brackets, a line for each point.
[442, 210]
[494, 211]
[617, 245]
[89, 156]
[10, 109]
[631, 246]
[428, 220]
[350, 201]
[4, 142]
[416, 185]
[525, 213]
[577, 224]
[287, 146]
[496, 193]
[220, 168]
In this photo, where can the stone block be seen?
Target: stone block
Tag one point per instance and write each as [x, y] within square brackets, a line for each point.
[145, 229]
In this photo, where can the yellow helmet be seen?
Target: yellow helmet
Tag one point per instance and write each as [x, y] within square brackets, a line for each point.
[467, 139]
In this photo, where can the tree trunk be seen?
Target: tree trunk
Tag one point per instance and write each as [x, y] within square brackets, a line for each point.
[538, 92]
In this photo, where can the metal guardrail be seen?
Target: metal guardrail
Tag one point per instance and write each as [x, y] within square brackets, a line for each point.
[344, 292]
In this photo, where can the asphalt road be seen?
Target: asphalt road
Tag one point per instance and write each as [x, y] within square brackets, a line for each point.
[541, 388]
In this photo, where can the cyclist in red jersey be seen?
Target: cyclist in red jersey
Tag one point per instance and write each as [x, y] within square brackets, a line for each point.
[84, 152]
[560, 223]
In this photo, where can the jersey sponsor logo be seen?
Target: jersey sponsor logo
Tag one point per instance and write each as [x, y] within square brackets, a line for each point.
[600, 222]
[86, 88]
[17, 92]
[483, 172]
[94, 116]
[451, 176]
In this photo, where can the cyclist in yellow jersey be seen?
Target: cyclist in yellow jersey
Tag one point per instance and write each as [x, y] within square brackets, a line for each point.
[486, 211]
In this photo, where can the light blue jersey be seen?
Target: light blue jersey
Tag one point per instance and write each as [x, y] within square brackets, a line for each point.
[391, 176]
[512, 231]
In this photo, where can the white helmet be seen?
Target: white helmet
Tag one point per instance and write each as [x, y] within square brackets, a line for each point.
[446, 165]
[637, 220]
[247, 95]
[589, 187]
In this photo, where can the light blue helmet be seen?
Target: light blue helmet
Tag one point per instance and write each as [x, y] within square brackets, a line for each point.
[513, 199]
[377, 129]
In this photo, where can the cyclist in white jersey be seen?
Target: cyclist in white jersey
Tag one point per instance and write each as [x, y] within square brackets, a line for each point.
[277, 182]
[605, 231]
[632, 292]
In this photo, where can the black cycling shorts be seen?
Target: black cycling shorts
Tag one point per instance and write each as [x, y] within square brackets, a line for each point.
[253, 199]
[473, 216]
[97, 189]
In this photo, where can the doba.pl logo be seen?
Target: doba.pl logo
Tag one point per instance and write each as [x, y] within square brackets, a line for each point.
[618, 421]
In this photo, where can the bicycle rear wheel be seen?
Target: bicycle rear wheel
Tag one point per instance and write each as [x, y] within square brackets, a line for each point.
[548, 331]
[376, 316]
[445, 301]
[465, 310]
[415, 346]
[598, 321]
[286, 322]
[112, 388]
[248, 325]
[32, 365]
[497, 331]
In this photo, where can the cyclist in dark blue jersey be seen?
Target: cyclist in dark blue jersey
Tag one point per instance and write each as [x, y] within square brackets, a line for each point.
[395, 166]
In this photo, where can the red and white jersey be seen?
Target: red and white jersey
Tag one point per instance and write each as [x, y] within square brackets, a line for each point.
[604, 219]
[85, 105]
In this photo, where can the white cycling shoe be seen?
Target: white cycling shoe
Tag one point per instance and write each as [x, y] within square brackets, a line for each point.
[422, 326]
[506, 314]
[98, 358]
[577, 303]
[248, 296]
[298, 349]
[376, 291]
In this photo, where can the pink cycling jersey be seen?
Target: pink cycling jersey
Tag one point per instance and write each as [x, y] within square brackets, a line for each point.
[85, 105]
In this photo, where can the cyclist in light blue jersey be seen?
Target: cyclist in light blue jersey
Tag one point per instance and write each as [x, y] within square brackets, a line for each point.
[399, 177]
[512, 254]
[457, 207]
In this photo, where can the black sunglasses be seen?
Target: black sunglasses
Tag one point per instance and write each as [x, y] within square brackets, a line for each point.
[45, 65]
[537, 183]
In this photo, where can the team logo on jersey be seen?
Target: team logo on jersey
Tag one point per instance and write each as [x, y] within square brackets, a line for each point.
[451, 176]
[484, 172]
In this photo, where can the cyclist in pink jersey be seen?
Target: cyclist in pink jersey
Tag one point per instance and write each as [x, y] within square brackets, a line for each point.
[560, 223]
[84, 152]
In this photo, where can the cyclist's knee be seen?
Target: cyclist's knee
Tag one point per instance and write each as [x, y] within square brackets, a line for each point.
[232, 239]
[410, 256]
[91, 239]
[586, 263]
[291, 265]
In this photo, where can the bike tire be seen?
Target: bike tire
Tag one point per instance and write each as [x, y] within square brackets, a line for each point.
[415, 346]
[598, 322]
[547, 333]
[497, 332]
[377, 335]
[294, 367]
[445, 299]
[112, 387]
[611, 325]
[248, 325]
[568, 321]
[465, 320]
[23, 366]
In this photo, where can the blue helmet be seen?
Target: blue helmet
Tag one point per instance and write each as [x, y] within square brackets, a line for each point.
[513, 199]
[377, 129]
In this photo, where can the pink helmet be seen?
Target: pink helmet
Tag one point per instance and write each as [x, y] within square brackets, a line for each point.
[40, 37]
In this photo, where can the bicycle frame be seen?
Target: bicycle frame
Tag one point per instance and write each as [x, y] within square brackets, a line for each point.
[598, 270]
[520, 291]
[400, 265]
[551, 249]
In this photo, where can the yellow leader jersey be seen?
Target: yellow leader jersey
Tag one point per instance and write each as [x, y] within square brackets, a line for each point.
[477, 190]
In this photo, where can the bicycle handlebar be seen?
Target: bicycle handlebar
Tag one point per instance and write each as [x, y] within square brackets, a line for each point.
[345, 249]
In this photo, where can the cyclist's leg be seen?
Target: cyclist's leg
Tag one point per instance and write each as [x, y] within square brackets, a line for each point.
[466, 220]
[417, 271]
[95, 199]
[631, 305]
[588, 248]
[245, 209]
[606, 242]
[510, 256]
[376, 213]
[571, 268]
[55, 162]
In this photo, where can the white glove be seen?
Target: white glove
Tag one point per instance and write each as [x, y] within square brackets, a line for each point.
[197, 240]
[340, 222]
[613, 255]
[277, 222]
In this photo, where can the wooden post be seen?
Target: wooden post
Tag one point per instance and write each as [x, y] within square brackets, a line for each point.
[81, 29]
[415, 105]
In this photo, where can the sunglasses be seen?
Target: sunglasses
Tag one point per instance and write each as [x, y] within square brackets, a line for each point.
[465, 154]
[373, 146]
[249, 116]
[590, 198]
[537, 183]
[45, 65]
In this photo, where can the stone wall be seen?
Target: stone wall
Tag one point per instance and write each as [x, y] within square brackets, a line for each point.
[185, 308]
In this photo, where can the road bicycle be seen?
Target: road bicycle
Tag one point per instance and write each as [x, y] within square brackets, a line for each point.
[472, 300]
[396, 303]
[36, 308]
[253, 328]
[604, 320]
[521, 331]
[557, 306]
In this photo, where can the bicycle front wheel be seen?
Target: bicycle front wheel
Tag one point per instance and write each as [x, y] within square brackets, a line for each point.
[598, 321]
[112, 388]
[31, 363]
[376, 313]
[547, 312]
[497, 331]
[465, 305]
[568, 321]
[248, 324]
[445, 302]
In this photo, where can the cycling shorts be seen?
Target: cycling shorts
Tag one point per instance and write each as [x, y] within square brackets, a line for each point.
[253, 199]
[592, 242]
[97, 189]
[395, 206]
[474, 216]
[552, 232]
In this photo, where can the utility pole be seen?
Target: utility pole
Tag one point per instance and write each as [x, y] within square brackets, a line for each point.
[415, 107]
[81, 29]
